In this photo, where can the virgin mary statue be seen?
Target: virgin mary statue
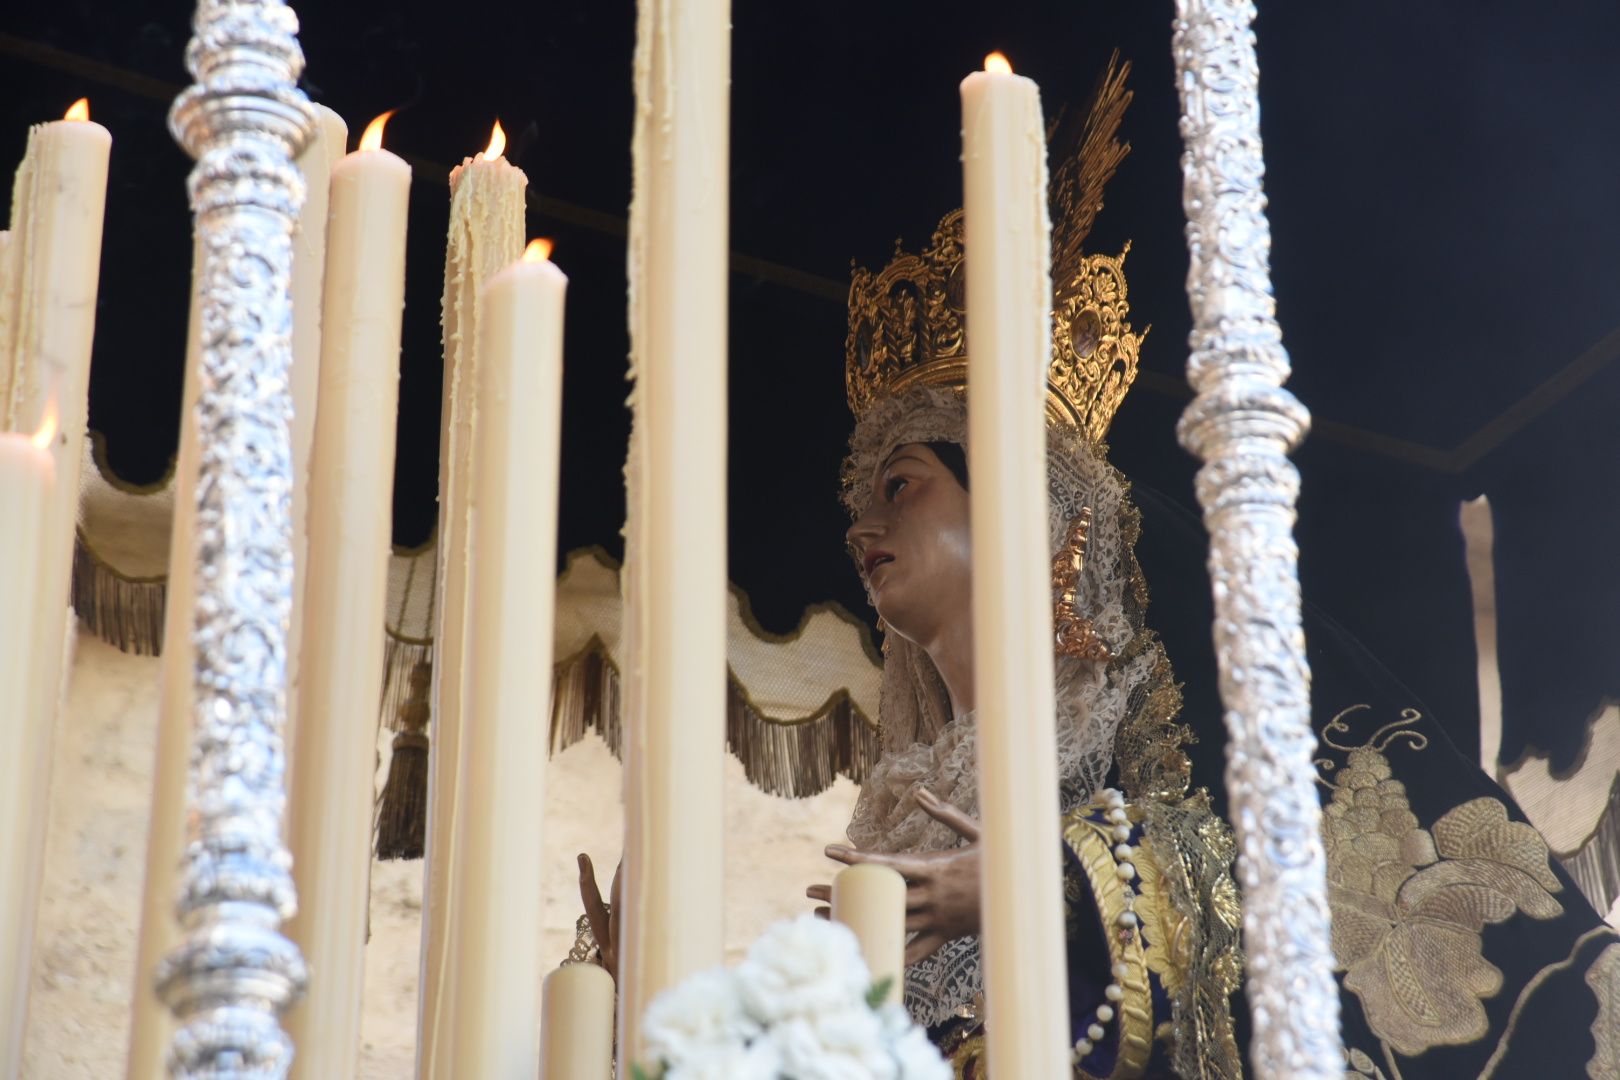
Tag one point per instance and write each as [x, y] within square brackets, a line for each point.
[1462, 949]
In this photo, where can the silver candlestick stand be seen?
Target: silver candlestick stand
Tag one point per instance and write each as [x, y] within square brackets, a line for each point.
[244, 121]
[1243, 424]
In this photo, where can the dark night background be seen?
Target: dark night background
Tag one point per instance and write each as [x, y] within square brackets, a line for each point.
[1446, 256]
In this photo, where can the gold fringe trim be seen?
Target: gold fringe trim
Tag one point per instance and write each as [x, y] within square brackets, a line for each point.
[793, 758]
[585, 698]
[125, 612]
[400, 657]
[790, 758]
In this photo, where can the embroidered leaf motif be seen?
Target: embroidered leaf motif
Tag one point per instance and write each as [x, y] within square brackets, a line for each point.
[1409, 903]
[1359, 1066]
[1604, 979]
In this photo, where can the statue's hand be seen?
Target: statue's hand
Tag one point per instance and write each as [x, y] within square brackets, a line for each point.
[604, 921]
[942, 887]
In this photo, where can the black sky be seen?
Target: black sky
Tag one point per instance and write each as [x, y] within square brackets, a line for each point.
[1442, 180]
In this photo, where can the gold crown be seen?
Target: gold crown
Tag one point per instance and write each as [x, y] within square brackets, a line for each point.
[908, 321]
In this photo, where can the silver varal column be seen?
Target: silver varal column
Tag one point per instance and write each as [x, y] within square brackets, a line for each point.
[244, 121]
[1243, 424]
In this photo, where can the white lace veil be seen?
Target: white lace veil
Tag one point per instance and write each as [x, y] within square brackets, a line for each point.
[923, 747]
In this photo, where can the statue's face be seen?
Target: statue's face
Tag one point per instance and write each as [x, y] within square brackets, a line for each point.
[912, 544]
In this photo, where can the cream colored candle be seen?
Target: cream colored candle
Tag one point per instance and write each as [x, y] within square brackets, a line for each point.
[1009, 295]
[871, 901]
[494, 956]
[350, 526]
[303, 376]
[576, 1026]
[47, 322]
[27, 475]
[675, 535]
[486, 235]
[150, 1022]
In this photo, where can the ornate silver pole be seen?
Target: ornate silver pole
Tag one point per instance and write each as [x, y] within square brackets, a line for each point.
[1243, 424]
[244, 120]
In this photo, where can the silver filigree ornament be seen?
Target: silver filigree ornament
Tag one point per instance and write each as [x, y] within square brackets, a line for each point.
[244, 121]
[1243, 424]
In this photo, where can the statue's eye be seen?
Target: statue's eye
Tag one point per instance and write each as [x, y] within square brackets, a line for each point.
[892, 486]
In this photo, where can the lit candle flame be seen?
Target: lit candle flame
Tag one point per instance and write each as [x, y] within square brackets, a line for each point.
[79, 110]
[372, 138]
[539, 250]
[47, 426]
[998, 64]
[497, 143]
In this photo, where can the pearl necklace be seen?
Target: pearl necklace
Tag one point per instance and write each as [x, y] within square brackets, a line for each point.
[1125, 922]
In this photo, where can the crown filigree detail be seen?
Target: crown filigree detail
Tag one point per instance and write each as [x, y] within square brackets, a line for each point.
[908, 327]
[908, 321]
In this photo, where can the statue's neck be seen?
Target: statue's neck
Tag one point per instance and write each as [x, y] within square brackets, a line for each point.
[951, 650]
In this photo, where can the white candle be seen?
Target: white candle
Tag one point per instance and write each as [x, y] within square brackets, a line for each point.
[1009, 295]
[27, 475]
[303, 376]
[577, 1024]
[53, 257]
[675, 543]
[494, 955]
[150, 1021]
[52, 274]
[871, 901]
[350, 521]
[486, 235]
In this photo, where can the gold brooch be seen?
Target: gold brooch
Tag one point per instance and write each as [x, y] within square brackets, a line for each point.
[1076, 635]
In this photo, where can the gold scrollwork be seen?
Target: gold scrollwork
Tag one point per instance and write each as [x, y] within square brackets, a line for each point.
[908, 327]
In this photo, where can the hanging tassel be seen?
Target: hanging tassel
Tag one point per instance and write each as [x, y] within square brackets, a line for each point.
[402, 811]
[124, 611]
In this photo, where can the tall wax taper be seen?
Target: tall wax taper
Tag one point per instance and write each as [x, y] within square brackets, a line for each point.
[1007, 241]
[675, 533]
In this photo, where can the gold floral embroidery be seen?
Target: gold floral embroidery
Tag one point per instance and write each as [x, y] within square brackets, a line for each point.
[1358, 1065]
[1092, 843]
[1169, 933]
[968, 1059]
[1409, 903]
[1604, 979]
[1196, 907]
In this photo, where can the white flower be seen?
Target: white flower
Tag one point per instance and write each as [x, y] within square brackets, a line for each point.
[846, 1045]
[691, 1022]
[896, 1021]
[805, 967]
[795, 1009]
[759, 1060]
[918, 1058]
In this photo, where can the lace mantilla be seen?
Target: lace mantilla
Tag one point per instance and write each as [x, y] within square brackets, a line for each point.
[923, 746]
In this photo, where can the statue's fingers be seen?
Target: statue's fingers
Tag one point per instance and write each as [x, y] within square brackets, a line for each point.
[591, 896]
[820, 892]
[588, 892]
[824, 913]
[946, 814]
[908, 866]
